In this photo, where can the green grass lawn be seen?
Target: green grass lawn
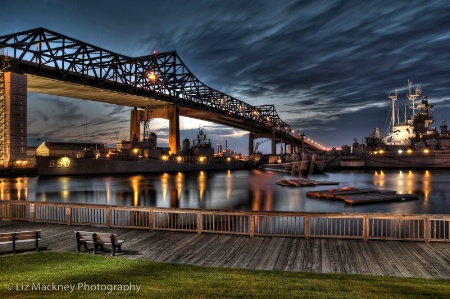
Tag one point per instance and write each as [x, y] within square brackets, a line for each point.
[35, 275]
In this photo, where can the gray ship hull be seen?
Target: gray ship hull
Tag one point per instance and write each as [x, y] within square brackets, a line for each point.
[393, 160]
[61, 166]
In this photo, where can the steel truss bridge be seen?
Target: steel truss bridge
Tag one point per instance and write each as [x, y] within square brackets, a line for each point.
[61, 65]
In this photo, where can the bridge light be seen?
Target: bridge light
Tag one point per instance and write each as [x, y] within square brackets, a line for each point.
[152, 77]
[426, 151]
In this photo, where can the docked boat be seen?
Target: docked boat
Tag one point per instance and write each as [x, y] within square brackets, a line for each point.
[413, 143]
[138, 157]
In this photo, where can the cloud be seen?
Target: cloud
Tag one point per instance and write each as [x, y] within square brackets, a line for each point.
[327, 66]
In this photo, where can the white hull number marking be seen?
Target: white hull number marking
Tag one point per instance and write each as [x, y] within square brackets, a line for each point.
[63, 162]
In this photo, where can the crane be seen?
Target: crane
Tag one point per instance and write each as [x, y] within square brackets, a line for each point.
[255, 151]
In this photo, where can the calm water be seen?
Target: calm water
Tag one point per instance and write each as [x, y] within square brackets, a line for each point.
[236, 190]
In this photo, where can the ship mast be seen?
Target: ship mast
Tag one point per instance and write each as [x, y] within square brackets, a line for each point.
[412, 97]
[393, 98]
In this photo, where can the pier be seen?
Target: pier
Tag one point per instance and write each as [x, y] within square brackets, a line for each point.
[381, 258]
[351, 243]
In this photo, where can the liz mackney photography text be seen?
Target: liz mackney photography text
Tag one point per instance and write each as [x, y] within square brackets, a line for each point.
[71, 288]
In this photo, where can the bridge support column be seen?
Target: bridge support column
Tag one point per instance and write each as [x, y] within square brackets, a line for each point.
[274, 145]
[171, 113]
[174, 129]
[135, 123]
[250, 143]
[13, 118]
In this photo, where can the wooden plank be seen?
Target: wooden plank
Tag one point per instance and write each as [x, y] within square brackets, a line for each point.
[231, 250]
[221, 245]
[291, 255]
[371, 198]
[347, 257]
[370, 259]
[443, 250]
[308, 258]
[407, 259]
[395, 260]
[245, 255]
[299, 257]
[332, 193]
[434, 260]
[359, 257]
[382, 260]
[316, 256]
[283, 255]
[335, 266]
[178, 255]
[260, 253]
[273, 255]
[203, 245]
[325, 257]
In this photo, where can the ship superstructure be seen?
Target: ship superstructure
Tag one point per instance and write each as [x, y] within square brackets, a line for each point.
[414, 133]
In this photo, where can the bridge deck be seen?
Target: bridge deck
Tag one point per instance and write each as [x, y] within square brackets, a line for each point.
[386, 258]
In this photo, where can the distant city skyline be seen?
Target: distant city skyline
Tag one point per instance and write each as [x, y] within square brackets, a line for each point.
[327, 66]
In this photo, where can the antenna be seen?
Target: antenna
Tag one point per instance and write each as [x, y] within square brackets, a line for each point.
[393, 98]
[412, 97]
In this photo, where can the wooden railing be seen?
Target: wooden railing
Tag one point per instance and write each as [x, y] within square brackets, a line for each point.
[363, 226]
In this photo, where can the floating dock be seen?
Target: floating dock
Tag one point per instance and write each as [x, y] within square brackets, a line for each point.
[300, 182]
[360, 196]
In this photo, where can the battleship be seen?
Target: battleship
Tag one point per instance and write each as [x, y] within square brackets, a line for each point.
[413, 143]
[134, 157]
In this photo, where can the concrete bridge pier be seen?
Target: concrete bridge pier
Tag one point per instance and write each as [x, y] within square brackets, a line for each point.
[13, 118]
[170, 112]
[252, 136]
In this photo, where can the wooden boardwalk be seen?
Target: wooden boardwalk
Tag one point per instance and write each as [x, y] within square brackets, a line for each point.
[386, 258]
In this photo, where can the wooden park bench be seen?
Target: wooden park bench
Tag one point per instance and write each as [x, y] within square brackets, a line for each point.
[20, 237]
[98, 239]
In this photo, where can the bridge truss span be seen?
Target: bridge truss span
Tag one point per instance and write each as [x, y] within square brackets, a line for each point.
[159, 76]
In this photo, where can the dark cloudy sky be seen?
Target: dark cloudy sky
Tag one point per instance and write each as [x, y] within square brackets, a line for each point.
[327, 66]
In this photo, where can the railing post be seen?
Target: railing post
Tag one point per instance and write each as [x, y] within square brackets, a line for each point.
[151, 220]
[199, 222]
[365, 228]
[32, 212]
[251, 225]
[108, 217]
[69, 215]
[427, 229]
[307, 228]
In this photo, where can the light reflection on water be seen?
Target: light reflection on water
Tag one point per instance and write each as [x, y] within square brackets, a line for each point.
[235, 190]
